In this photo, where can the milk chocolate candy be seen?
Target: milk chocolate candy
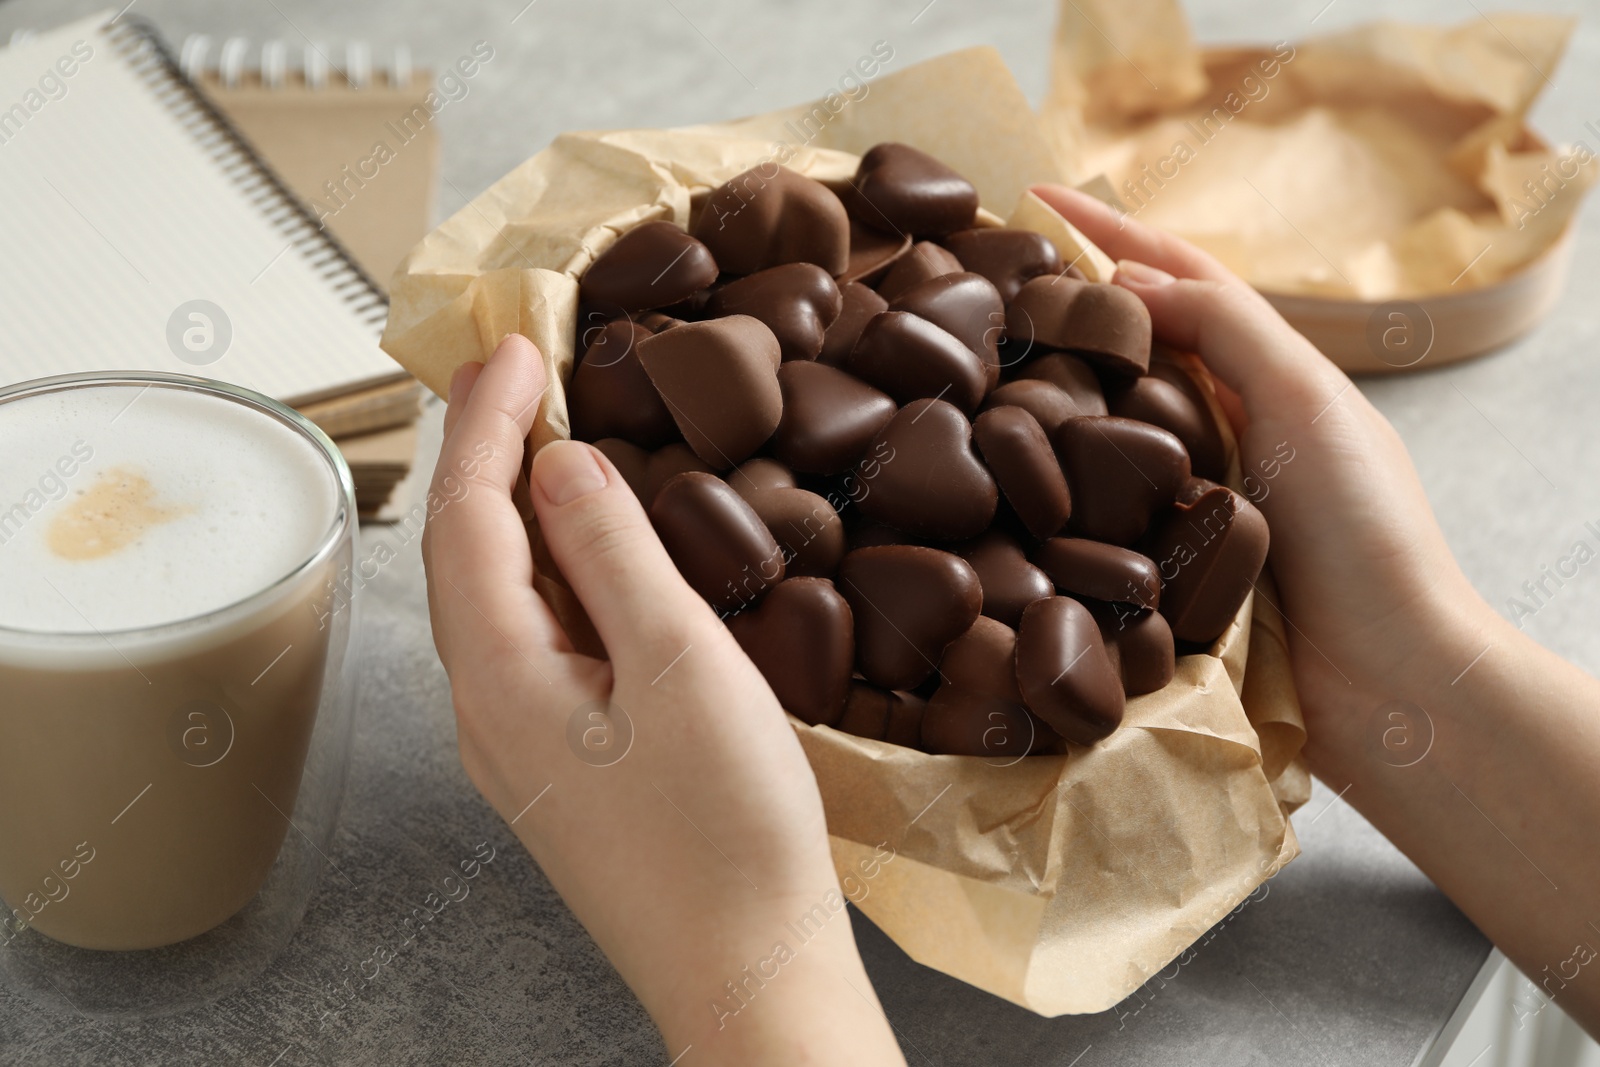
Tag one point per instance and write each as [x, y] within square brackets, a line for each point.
[1101, 571]
[720, 381]
[1194, 489]
[1209, 553]
[1065, 675]
[959, 723]
[1016, 449]
[908, 602]
[610, 394]
[860, 304]
[1105, 324]
[770, 215]
[1121, 472]
[829, 418]
[1072, 376]
[797, 301]
[650, 266]
[1158, 400]
[983, 661]
[903, 190]
[665, 464]
[807, 528]
[631, 462]
[909, 358]
[720, 546]
[926, 480]
[925, 261]
[1048, 405]
[1141, 643]
[872, 253]
[1009, 582]
[802, 639]
[968, 307]
[1008, 258]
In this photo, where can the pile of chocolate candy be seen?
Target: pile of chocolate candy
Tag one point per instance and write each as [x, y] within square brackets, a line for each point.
[933, 479]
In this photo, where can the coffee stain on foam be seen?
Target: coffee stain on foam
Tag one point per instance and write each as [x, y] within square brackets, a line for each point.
[109, 516]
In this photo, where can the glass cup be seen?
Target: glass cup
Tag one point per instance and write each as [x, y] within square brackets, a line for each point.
[168, 793]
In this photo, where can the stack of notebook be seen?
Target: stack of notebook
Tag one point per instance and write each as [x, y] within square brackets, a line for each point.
[134, 195]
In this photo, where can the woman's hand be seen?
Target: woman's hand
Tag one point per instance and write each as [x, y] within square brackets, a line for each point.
[690, 841]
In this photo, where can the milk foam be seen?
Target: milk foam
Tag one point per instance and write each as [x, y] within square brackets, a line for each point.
[123, 506]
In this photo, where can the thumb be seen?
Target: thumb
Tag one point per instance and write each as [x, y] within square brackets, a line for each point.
[1239, 336]
[601, 538]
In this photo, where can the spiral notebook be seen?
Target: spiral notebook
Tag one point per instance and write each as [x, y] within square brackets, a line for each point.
[125, 197]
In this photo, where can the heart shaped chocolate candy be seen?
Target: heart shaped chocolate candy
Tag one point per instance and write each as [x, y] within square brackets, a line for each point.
[968, 307]
[1065, 675]
[903, 190]
[872, 253]
[610, 394]
[1010, 583]
[882, 715]
[1049, 406]
[805, 525]
[802, 640]
[908, 602]
[924, 262]
[719, 544]
[797, 301]
[1172, 400]
[909, 358]
[960, 723]
[860, 305]
[926, 481]
[829, 418]
[719, 379]
[631, 462]
[1072, 376]
[665, 464]
[1121, 472]
[1015, 448]
[1008, 258]
[656, 321]
[983, 661]
[1140, 643]
[757, 220]
[650, 266]
[1106, 324]
[1100, 571]
[1209, 552]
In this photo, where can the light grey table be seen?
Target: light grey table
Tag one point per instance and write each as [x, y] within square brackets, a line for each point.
[1353, 957]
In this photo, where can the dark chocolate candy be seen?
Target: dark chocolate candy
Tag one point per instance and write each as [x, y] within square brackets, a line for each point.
[925, 261]
[611, 395]
[882, 715]
[1121, 472]
[720, 545]
[770, 215]
[959, 723]
[968, 307]
[1010, 583]
[983, 660]
[872, 253]
[860, 305]
[868, 534]
[1065, 675]
[1194, 489]
[650, 266]
[1072, 376]
[802, 640]
[631, 462]
[905, 720]
[719, 379]
[666, 463]
[656, 321]
[1104, 572]
[805, 525]
[1105, 324]
[927, 481]
[1209, 553]
[1016, 449]
[1207, 453]
[829, 418]
[909, 358]
[797, 301]
[1141, 644]
[903, 190]
[1156, 399]
[1048, 405]
[1008, 258]
[908, 602]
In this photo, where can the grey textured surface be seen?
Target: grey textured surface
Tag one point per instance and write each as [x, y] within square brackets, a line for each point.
[1352, 956]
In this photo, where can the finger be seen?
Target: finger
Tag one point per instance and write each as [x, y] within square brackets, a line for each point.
[1240, 337]
[480, 567]
[461, 383]
[1123, 237]
[601, 538]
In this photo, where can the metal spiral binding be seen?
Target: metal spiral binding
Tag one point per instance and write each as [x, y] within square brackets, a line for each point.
[148, 55]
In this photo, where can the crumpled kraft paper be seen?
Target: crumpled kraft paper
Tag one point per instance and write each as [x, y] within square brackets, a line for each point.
[1062, 882]
[1382, 162]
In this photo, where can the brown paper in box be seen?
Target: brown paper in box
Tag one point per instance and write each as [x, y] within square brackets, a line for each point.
[1062, 882]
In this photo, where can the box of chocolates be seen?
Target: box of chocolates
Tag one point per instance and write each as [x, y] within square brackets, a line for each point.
[988, 543]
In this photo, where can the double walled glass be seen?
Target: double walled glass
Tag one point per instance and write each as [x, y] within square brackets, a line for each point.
[168, 794]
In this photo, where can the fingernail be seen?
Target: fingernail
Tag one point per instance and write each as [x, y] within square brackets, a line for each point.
[1142, 273]
[566, 470]
[455, 379]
